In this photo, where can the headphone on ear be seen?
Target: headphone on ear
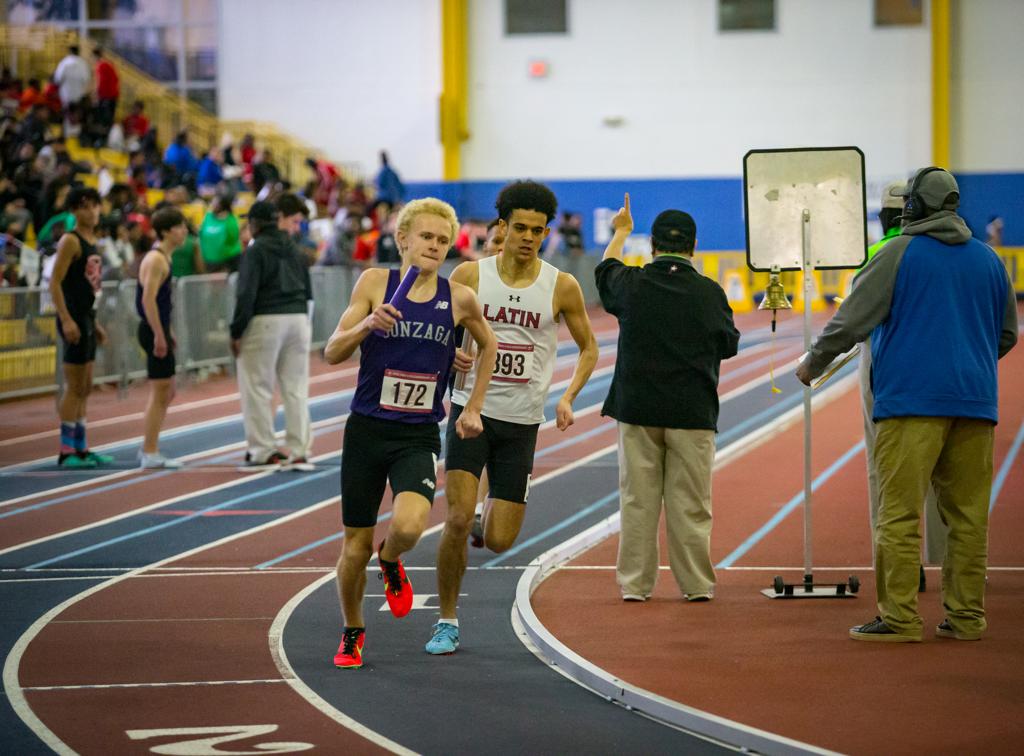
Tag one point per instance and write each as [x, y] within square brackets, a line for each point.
[914, 206]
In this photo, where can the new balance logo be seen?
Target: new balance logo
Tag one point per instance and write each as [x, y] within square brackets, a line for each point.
[441, 305]
[428, 483]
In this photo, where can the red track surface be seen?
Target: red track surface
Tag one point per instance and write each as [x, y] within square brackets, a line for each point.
[787, 666]
[189, 622]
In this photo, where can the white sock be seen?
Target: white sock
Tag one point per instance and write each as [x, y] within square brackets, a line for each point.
[448, 621]
[479, 508]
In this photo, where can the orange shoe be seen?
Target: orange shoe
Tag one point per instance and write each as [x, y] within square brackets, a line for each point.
[397, 587]
[350, 652]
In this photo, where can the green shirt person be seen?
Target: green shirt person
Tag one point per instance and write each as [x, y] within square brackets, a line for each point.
[219, 237]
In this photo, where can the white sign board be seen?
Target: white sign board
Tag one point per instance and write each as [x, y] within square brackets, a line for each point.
[828, 182]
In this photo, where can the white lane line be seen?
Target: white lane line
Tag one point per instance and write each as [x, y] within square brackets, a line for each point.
[109, 686]
[206, 490]
[13, 690]
[331, 375]
[160, 619]
[280, 656]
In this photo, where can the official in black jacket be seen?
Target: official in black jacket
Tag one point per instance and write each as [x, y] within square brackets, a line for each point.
[675, 328]
[271, 335]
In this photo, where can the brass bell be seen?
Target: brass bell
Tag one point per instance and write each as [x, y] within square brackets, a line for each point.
[774, 295]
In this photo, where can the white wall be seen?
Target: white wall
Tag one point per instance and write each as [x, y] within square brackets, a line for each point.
[987, 86]
[348, 76]
[694, 100]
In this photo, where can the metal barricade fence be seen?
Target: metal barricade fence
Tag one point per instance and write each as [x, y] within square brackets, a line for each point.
[332, 288]
[203, 308]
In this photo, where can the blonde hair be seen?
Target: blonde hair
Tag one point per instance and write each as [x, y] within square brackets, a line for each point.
[427, 206]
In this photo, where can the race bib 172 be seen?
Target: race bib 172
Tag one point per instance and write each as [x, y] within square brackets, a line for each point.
[408, 392]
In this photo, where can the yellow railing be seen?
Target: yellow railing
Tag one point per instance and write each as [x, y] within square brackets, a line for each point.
[35, 51]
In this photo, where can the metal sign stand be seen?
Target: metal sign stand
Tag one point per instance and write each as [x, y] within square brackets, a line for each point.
[808, 588]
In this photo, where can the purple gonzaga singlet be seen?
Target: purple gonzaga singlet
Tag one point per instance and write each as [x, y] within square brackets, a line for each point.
[403, 375]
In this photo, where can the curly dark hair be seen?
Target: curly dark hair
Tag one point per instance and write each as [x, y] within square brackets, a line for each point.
[526, 195]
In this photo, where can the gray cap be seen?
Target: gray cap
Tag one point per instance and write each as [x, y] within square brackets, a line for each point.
[892, 194]
[934, 186]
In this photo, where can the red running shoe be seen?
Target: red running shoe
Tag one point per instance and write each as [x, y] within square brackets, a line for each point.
[397, 587]
[350, 652]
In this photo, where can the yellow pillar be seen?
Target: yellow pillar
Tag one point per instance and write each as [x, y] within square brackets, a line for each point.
[453, 106]
[940, 83]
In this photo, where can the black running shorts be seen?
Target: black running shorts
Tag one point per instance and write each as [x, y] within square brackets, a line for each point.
[156, 367]
[377, 452]
[85, 350]
[505, 448]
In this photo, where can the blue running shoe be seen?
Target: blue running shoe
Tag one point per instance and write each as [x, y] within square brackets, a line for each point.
[444, 640]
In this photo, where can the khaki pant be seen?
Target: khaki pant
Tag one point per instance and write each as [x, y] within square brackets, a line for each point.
[674, 466]
[275, 347]
[955, 454]
[934, 528]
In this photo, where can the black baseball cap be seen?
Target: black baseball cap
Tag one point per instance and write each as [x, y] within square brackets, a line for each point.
[936, 187]
[674, 231]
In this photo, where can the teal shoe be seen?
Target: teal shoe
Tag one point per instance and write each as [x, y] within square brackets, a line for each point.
[96, 458]
[74, 462]
[444, 640]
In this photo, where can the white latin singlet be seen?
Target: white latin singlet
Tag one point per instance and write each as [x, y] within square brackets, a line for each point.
[523, 320]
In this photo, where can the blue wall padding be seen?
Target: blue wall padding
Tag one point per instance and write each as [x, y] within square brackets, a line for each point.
[715, 203]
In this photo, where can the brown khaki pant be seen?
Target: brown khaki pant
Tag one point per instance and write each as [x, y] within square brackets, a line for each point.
[934, 528]
[672, 466]
[955, 456]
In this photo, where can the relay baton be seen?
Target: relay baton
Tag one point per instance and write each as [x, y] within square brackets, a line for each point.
[460, 377]
[400, 293]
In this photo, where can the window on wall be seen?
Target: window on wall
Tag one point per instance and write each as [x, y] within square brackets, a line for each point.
[899, 12]
[536, 17]
[746, 15]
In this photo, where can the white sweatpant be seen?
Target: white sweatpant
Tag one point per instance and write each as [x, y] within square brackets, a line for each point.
[275, 347]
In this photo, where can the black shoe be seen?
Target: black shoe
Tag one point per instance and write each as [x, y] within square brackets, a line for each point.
[275, 461]
[877, 630]
[945, 630]
[922, 584]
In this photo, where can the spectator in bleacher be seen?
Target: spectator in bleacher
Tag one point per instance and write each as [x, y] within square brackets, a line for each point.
[136, 125]
[341, 249]
[108, 89]
[73, 77]
[153, 304]
[325, 176]
[74, 283]
[387, 246]
[389, 186]
[51, 98]
[33, 127]
[209, 174]
[247, 154]
[180, 157]
[270, 336]
[219, 239]
[264, 171]
[31, 96]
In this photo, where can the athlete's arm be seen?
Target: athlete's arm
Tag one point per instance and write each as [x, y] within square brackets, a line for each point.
[468, 274]
[68, 249]
[152, 273]
[622, 226]
[569, 302]
[469, 315]
[366, 312]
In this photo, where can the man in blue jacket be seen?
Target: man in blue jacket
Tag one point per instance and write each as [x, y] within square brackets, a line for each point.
[940, 310]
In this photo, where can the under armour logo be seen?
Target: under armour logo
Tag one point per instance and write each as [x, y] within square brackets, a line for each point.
[673, 269]
[441, 305]
[512, 298]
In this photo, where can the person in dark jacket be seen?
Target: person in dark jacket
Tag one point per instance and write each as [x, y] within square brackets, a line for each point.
[675, 328]
[271, 335]
[940, 310]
